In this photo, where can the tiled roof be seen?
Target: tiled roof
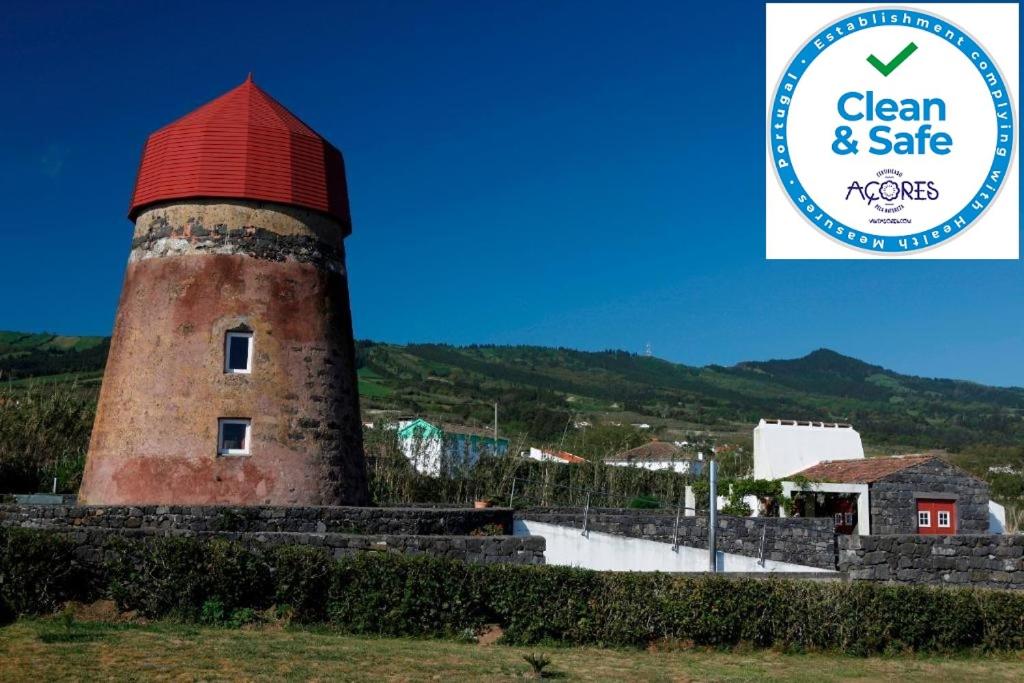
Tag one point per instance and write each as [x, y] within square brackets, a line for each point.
[564, 455]
[655, 451]
[243, 145]
[449, 428]
[859, 471]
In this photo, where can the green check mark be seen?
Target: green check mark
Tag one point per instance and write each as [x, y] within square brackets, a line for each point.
[886, 69]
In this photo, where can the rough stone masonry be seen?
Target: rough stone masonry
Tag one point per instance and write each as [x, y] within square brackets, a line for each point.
[983, 560]
[155, 438]
[470, 535]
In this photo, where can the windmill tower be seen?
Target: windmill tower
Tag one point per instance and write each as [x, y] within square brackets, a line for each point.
[231, 374]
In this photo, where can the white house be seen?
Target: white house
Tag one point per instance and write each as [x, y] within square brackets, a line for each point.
[837, 481]
[656, 455]
[439, 448]
[550, 455]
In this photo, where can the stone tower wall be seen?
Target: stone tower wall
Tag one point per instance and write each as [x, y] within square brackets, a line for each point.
[198, 269]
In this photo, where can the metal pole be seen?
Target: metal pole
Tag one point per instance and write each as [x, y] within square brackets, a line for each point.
[675, 531]
[764, 539]
[712, 516]
[586, 517]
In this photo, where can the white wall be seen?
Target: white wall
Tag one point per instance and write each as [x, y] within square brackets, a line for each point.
[423, 453]
[566, 546]
[996, 518]
[680, 466]
[782, 449]
[541, 456]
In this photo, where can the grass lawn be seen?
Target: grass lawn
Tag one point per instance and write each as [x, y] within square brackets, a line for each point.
[46, 650]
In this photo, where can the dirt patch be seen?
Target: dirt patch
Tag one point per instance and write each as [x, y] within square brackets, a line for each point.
[671, 645]
[103, 611]
[490, 634]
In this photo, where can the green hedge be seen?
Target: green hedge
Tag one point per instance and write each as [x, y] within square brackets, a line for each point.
[393, 595]
[38, 572]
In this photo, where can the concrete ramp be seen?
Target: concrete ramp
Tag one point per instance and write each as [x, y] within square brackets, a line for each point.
[568, 546]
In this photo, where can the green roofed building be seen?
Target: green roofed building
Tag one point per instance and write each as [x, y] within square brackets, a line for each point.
[436, 448]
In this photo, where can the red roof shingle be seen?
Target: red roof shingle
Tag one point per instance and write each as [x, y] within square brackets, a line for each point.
[564, 455]
[864, 471]
[243, 145]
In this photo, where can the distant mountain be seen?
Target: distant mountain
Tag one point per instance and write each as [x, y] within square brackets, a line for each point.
[543, 391]
[836, 374]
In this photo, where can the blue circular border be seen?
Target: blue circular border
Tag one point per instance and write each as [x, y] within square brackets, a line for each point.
[792, 185]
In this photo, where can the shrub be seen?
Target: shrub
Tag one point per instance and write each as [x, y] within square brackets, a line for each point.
[392, 595]
[552, 604]
[212, 612]
[377, 593]
[177, 575]
[38, 572]
[393, 480]
[44, 433]
[302, 580]
[7, 614]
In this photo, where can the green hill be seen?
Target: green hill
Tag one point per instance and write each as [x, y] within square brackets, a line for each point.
[24, 355]
[542, 392]
[890, 409]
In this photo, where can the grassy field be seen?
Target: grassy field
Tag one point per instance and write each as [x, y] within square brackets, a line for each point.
[47, 650]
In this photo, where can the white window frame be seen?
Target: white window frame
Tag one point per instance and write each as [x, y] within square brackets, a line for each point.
[227, 353]
[926, 516]
[247, 445]
[949, 519]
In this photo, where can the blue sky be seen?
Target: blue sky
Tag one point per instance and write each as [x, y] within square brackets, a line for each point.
[557, 173]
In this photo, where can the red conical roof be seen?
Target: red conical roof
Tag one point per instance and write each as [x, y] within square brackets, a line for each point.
[243, 145]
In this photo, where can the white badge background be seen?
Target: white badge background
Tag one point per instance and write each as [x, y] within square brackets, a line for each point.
[790, 236]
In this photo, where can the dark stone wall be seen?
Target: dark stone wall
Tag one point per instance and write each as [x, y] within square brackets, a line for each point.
[893, 499]
[89, 543]
[799, 540]
[344, 520]
[252, 241]
[993, 561]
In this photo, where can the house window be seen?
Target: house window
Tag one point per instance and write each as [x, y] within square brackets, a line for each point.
[238, 352]
[234, 436]
[940, 516]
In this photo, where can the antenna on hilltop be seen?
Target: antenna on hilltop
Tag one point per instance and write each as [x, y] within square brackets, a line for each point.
[647, 350]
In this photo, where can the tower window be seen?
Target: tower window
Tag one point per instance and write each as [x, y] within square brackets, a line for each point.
[233, 436]
[238, 352]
